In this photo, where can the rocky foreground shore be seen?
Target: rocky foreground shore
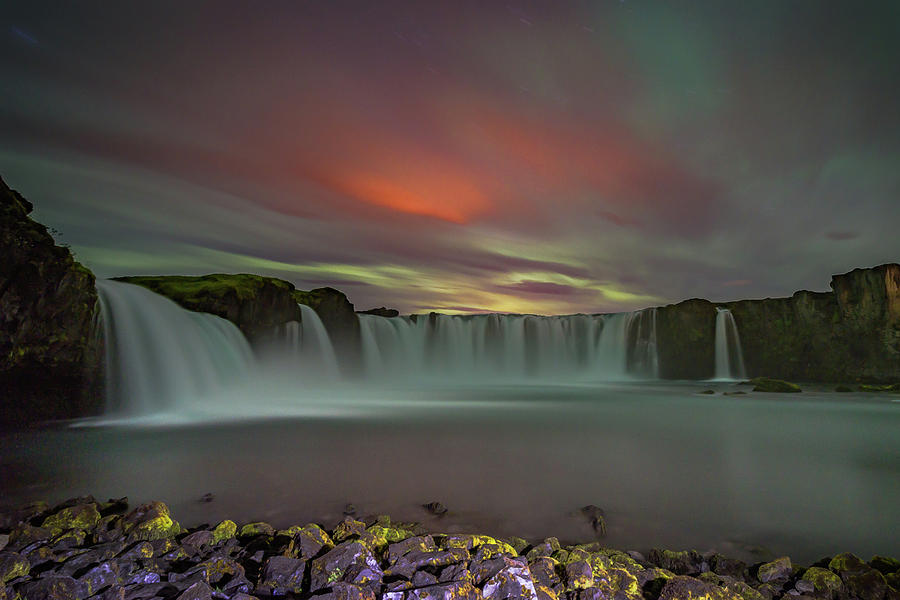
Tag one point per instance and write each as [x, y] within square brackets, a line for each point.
[106, 550]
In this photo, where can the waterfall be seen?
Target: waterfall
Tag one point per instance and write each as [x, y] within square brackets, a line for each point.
[304, 347]
[497, 347]
[160, 356]
[729, 358]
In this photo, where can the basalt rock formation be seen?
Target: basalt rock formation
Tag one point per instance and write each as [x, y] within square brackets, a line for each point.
[381, 312]
[49, 355]
[849, 334]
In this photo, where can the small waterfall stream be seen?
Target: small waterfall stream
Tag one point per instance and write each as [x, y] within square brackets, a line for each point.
[729, 357]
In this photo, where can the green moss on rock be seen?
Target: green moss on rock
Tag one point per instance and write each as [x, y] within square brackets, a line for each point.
[224, 531]
[777, 386]
[150, 522]
[80, 516]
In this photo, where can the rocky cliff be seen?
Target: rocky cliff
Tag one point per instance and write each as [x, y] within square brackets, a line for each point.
[254, 303]
[49, 356]
[849, 334]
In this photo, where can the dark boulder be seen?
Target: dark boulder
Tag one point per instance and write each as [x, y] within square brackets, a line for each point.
[350, 562]
[50, 356]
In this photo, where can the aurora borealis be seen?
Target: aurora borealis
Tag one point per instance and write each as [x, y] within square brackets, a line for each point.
[463, 156]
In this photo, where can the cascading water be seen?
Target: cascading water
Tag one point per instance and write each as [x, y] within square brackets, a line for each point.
[306, 347]
[510, 347]
[161, 357]
[729, 357]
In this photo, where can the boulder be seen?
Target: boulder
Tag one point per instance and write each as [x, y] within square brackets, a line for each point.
[50, 357]
[282, 575]
[777, 386]
[350, 562]
[779, 570]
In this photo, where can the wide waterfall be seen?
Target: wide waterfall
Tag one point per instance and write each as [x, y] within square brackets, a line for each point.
[729, 357]
[510, 347]
[161, 357]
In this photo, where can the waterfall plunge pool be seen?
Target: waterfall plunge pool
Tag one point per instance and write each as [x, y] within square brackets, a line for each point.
[807, 475]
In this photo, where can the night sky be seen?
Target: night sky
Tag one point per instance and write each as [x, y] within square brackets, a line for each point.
[505, 156]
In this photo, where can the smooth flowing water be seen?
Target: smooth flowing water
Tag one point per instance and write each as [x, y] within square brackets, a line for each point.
[512, 421]
[755, 475]
[729, 356]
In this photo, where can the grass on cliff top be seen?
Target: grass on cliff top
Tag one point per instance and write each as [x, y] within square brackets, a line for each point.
[315, 297]
[218, 285]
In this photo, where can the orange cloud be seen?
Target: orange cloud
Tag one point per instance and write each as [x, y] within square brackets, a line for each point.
[443, 196]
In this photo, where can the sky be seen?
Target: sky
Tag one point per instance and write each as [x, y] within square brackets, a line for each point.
[542, 157]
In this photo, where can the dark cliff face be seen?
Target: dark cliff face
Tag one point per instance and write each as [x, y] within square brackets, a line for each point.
[850, 334]
[256, 304]
[685, 334]
[340, 320]
[49, 356]
[791, 338]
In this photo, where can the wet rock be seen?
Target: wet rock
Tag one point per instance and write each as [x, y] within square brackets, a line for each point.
[4, 540]
[707, 392]
[412, 561]
[13, 565]
[513, 580]
[456, 572]
[435, 508]
[722, 565]
[843, 389]
[596, 517]
[207, 497]
[307, 542]
[457, 590]
[544, 571]
[258, 528]
[579, 575]
[682, 587]
[777, 386]
[685, 562]
[113, 506]
[150, 522]
[779, 570]
[53, 588]
[860, 579]
[423, 579]
[348, 528]
[198, 591]
[101, 576]
[885, 564]
[350, 562]
[545, 548]
[81, 516]
[348, 591]
[224, 531]
[282, 575]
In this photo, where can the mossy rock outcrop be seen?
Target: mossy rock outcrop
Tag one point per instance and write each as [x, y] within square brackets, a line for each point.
[49, 355]
[776, 386]
[254, 303]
